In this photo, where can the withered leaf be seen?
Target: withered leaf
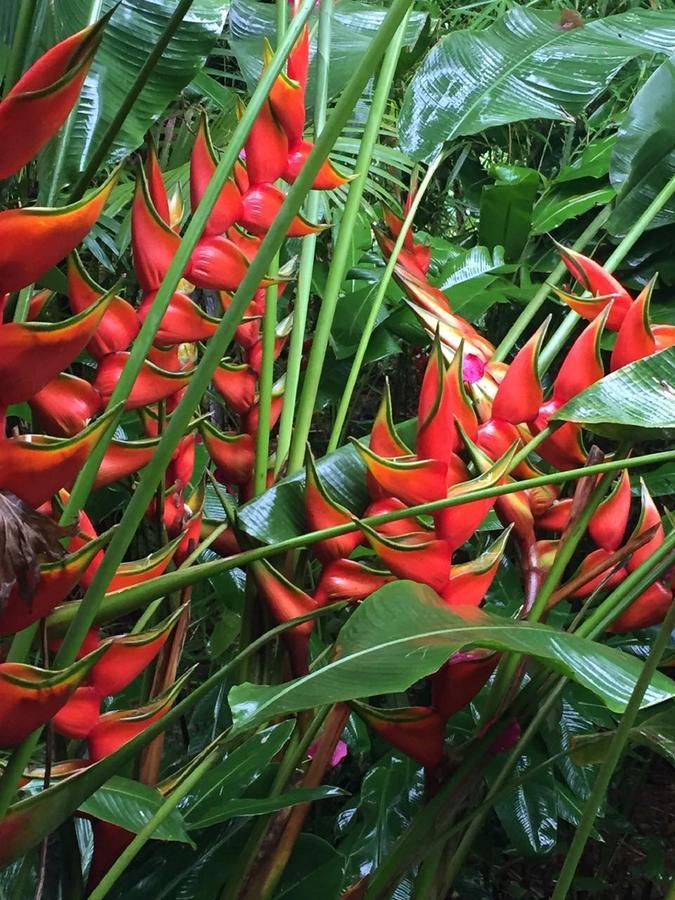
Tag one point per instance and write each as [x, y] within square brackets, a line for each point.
[27, 539]
[570, 18]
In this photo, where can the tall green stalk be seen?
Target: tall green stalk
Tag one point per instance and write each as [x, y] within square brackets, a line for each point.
[558, 340]
[19, 50]
[343, 408]
[308, 251]
[338, 267]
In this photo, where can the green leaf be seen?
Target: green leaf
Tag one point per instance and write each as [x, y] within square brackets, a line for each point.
[656, 731]
[522, 67]
[644, 153]
[528, 812]
[505, 212]
[661, 481]
[568, 200]
[314, 870]
[638, 399]
[404, 632]
[230, 778]
[129, 36]
[253, 806]
[592, 162]
[131, 805]
[391, 792]
[354, 25]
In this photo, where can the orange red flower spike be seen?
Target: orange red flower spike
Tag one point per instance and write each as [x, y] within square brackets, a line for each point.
[33, 353]
[236, 383]
[39, 103]
[459, 680]
[217, 264]
[648, 609]
[328, 178]
[347, 579]
[597, 281]
[227, 209]
[233, 454]
[266, 148]
[582, 365]
[635, 338]
[608, 523]
[122, 458]
[79, 715]
[470, 581]
[29, 697]
[151, 385]
[649, 517]
[324, 512]
[65, 405]
[410, 480]
[154, 244]
[383, 438]
[183, 322]
[261, 205]
[520, 393]
[34, 239]
[416, 556]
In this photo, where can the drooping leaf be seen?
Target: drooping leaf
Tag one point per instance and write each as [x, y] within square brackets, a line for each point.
[637, 400]
[131, 805]
[253, 806]
[129, 37]
[524, 66]
[644, 154]
[568, 200]
[403, 632]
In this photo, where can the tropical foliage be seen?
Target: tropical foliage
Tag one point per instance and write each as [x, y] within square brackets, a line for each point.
[337, 390]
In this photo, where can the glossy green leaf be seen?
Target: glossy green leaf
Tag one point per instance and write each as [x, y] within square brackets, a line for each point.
[567, 200]
[314, 870]
[369, 825]
[644, 153]
[505, 213]
[403, 632]
[592, 162]
[230, 809]
[660, 481]
[230, 778]
[528, 811]
[638, 399]
[130, 35]
[131, 805]
[353, 26]
[655, 731]
[522, 67]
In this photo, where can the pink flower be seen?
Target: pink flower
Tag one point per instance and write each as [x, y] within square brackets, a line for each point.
[473, 368]
[338, 754]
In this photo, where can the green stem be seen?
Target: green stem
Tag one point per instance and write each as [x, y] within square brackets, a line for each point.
[23, 304]
[340, 259]
[558, 340]
[190, 781]
[105, 142]
[343, 408]
[265, 384]
[128, 599]
[535, 304]
[19, 49]
[308, 252]
[614, 753]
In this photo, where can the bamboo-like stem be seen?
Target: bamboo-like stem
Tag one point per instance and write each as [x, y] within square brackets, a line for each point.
[128, 599]
[210, 757]
[557, 341]
[308, 251]
[343, 408]
[614, 753]
[104, 143]
[340, 259]
[535, 304]
[19, 49]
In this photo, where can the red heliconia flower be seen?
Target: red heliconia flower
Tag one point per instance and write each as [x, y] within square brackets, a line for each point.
[116, 728]
[469, 582]
[347, 579]
[597, 281]
[203, 162]
[287, 100]
[286, 601]
[649, 517]
[110, 841]
[635, 338]
[119, 324]
[328, 178]
[563, 449]
[459, 680]
[455, 524]
[29, 697]
[409, 479]
[152, 383]
[127, 655]
[123, 458]
[281, 334]
[383, 437]
[260, 206]
[556, 517]
[249, 421]
[33, 239]
[520, 393]
[80, 714]
[36, 466]
[414, 259]
[419, 557]
[418, 731]
[421, 253]
[33, 353]
[404, 525]
[608, 578]
[38, 104]
[442, 402]
[608, 523]
[266, 147]
[55, 582]
[322, 511]
[183, 322]
[136, 571]
[236, 384]
[182, 465]
[226, 544]
[582, 365]
[217, 264]
[297, 64]
[233, 454]
[646, 610]
[154, 243]
[66, 405]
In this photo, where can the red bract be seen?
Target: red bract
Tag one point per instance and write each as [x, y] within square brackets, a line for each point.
[33, 239]
[65, 405]
[598, 282]
[459, 680]
[410, 480]
[608, 523]
[322, 511]
[415, 556]
[635, 338]
[227, 209]
[520, 393]
[347, 579]
[417, 731]
[38, 104]
[233, 454]
[470, 581]
[152, 383]
[236, 383]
